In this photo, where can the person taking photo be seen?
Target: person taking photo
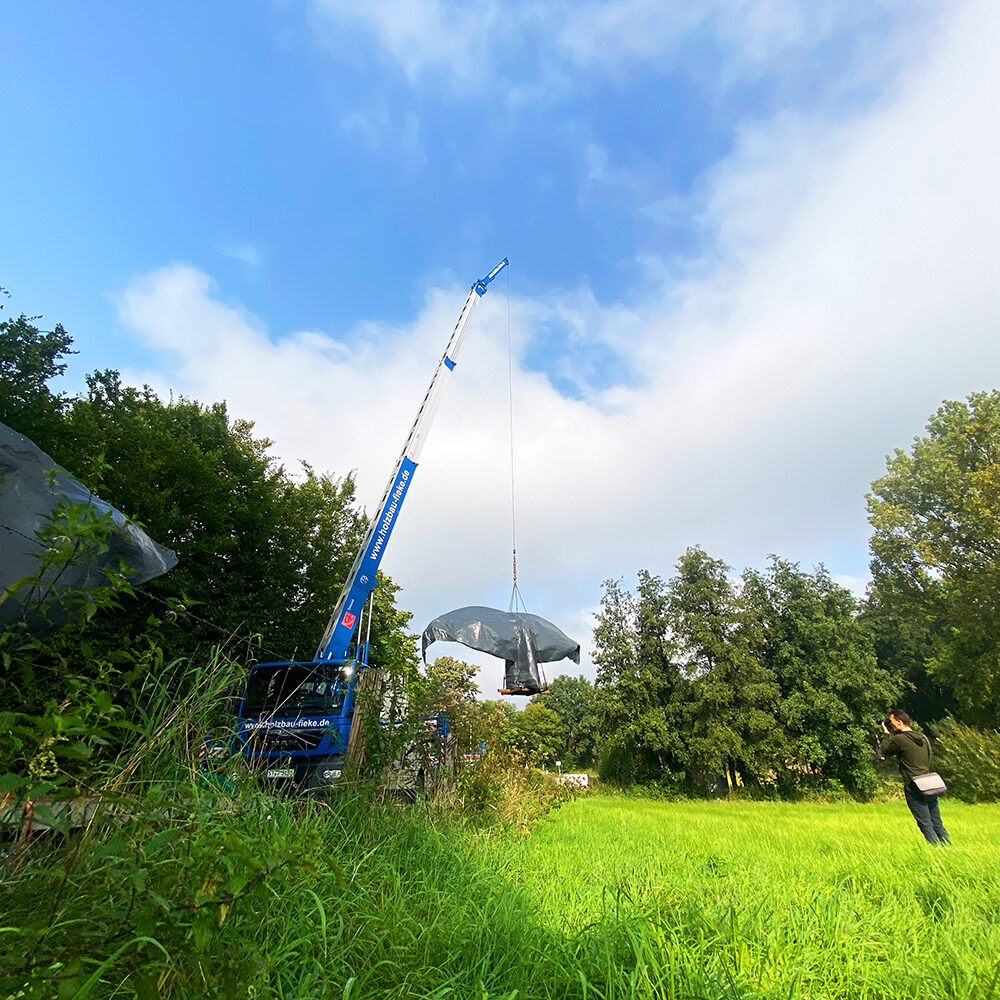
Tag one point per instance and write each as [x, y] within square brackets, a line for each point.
[914, 752]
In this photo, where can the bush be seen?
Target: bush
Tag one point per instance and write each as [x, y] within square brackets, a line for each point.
[502, 790]
[970, 760]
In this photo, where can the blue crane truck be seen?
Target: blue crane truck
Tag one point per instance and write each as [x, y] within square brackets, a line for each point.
[295, 717]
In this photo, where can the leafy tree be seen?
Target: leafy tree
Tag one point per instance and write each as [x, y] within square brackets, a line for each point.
[453, 680]
[639, 687]
[772, 681]
[832, 688]
[262, 555]
[258, 553]
[491, 724]
[936, 553]
[393, 646]
[574, 700]
[29, 359]
[902, 641]
[538, 733]
[730, 716]
[448, 686]
[970, 758]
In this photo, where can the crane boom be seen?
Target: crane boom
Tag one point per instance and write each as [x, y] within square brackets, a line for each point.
[361, 581]
[296, 718]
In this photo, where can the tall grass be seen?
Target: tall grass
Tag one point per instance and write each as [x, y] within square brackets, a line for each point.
[971, 760]
[279, 899]
[608, 898]
[188, 887]
[770, 899]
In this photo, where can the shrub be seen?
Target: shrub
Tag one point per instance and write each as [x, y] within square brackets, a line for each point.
[970, 759]
[502, 790]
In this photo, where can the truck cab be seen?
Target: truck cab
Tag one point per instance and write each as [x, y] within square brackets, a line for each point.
[294, 720]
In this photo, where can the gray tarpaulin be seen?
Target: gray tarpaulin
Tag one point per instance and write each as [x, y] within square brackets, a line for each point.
[31, 486]
[521, 639]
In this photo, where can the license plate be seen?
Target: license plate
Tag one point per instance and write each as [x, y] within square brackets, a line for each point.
[279, 772]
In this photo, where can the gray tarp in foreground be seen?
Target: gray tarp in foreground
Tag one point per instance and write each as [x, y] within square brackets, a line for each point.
[521, 639]
[29, 495]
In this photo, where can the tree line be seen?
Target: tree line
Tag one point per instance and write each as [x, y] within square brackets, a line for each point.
[773, 678]
[262, 552]
[776, 679]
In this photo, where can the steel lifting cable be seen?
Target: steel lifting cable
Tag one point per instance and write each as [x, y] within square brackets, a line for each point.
[515, 595]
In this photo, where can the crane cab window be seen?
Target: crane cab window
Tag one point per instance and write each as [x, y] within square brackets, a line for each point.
[293, 689]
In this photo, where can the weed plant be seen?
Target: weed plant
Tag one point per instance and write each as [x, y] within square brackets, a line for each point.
[502, 794]
[268, 898]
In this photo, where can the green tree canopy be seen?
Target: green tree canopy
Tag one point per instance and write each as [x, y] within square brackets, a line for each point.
[812, 640]
[640, 688]
[452, 680]
[733, 694]
[29, 359]
[259, 553]
[574, 700]
[538, 732]
[490, 724]
[705, 682]
[262, 554]
[448, 686]
[935, 545]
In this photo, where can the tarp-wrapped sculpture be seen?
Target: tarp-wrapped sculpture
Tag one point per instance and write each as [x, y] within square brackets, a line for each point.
[32, 487]
[523, 640]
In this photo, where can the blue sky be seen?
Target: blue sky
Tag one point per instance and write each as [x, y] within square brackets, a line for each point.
[321, 180]
[748, 248]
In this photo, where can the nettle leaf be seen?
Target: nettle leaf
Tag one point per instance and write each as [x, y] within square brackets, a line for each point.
[160, 901]
[206, 923]
[103, 701]
[46, 815]
[112, 849]
[163, 837]
[10, 783]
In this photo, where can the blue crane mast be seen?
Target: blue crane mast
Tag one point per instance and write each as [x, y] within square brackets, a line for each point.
[295, 717]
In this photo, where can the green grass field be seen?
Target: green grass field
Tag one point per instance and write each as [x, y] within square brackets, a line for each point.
[777, 900]
[608, 898]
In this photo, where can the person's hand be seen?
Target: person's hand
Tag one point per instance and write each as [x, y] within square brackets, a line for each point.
[885, 728]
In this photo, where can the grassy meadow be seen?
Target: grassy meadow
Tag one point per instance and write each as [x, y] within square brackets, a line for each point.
[606, 897]
[759, 899]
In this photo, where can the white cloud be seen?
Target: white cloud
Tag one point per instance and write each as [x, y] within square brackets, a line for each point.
[596, 162]
[599, 169]
[245, 253]
[462, 47]
[370, 124]
[752, 37]
[420, 35]
[851, 288]
[378, 129]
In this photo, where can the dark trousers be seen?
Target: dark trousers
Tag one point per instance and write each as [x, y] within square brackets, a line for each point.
[926, 813]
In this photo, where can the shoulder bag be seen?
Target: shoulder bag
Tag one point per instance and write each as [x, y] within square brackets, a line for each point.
[930, 783]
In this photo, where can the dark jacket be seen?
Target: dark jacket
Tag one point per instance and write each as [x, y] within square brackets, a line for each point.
[913, 750]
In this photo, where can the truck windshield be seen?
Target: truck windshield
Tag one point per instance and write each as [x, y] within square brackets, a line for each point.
[294, 689]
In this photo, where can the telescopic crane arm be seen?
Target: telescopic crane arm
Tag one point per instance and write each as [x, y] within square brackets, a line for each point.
[360, 583]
